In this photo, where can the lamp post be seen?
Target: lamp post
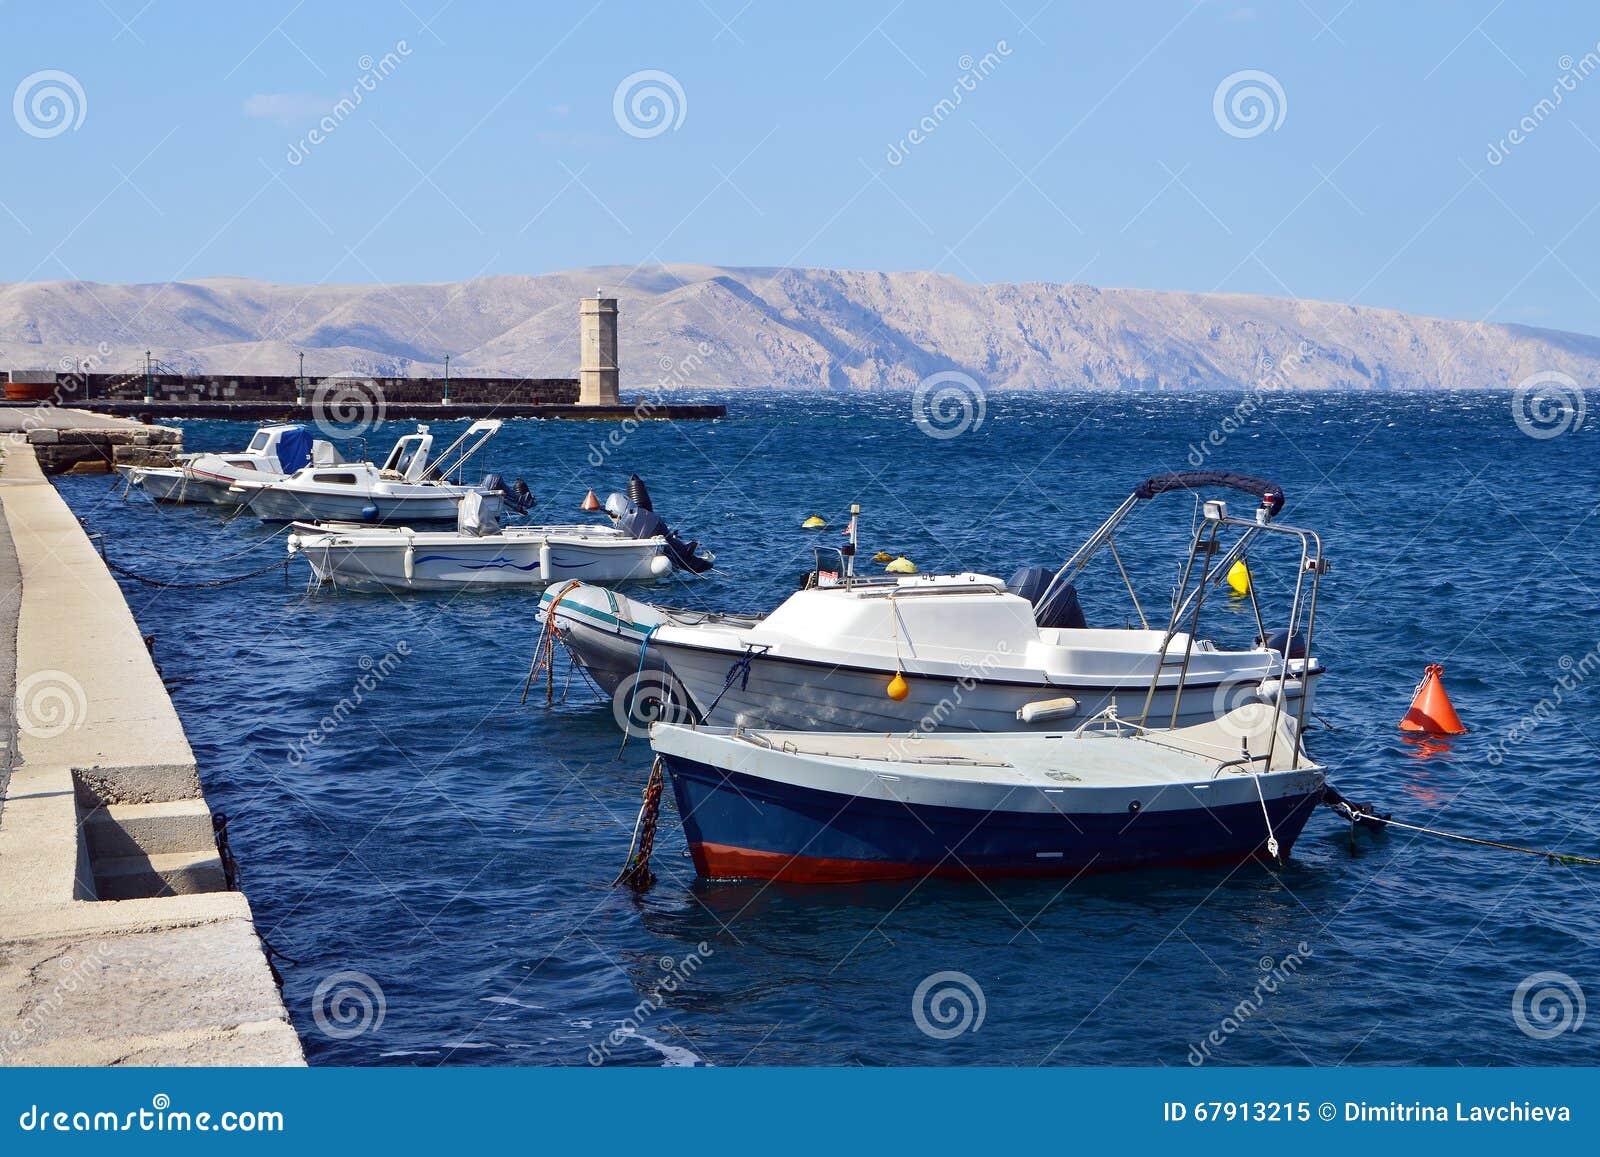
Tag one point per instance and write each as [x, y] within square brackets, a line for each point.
[149, 382]
[300, 382]
[447, 379]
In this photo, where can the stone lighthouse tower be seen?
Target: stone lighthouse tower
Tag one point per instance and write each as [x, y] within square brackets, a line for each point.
[597, 357]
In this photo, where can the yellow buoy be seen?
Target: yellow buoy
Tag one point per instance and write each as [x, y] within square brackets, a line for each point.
[883, 556]
[898, 688]
[1239, 578]
[815, 522]
[902, 565]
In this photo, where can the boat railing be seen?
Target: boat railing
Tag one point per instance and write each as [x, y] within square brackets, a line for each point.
[1188, 603]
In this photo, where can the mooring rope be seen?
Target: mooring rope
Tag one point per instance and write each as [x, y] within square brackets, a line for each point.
[1357, 815]
[637, 873]
[281, 564]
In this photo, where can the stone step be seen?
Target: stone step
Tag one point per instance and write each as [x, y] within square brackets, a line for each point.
[167, 874]
[149, 829]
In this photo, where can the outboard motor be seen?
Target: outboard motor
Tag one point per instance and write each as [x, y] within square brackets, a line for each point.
[641, 522]
[516, 498]
[1280, 642]
[638, 495]
[1062, 609]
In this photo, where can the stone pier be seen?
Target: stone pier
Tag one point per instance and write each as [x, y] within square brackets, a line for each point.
[67, 441]
[121, 941]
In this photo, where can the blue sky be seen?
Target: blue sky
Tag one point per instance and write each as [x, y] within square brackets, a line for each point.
[1089, 149]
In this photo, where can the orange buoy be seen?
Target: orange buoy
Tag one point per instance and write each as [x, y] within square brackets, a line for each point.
[898, 688]
[591, 502]
[1431, 710]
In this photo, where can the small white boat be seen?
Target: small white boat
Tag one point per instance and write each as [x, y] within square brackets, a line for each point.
[411, 486]
[403, 559]
[274, 452]
[482, 555]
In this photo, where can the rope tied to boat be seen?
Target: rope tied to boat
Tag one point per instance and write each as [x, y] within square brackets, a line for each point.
[162, 584]
[1362, 815]
[633, 689]
[544, 651]
[740, 670]
[637, 874]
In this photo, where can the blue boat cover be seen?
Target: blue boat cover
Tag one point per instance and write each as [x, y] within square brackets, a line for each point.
[1271, 496]
[294, 448]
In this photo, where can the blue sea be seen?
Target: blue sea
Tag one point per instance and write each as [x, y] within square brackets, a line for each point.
[435, 865]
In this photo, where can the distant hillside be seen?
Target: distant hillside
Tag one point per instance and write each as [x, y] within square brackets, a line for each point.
[788, 328]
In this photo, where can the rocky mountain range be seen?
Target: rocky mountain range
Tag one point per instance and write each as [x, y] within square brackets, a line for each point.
[705, 326]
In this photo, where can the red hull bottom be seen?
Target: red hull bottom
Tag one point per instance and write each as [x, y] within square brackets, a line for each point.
[721, 862]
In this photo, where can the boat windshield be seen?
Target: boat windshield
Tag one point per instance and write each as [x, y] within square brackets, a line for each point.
[404, 453]
[259, 442]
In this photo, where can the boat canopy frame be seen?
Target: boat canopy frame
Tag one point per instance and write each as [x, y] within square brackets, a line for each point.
[1187, 605]
[1272, 499]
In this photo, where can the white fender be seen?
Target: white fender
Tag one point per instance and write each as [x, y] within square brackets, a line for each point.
[411, 557]
[1043, 710]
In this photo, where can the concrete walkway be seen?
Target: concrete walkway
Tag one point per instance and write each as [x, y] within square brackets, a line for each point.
[119, 940]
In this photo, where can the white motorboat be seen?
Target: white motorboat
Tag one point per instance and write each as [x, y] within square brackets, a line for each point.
[936, 652]
[274, 452]
[411, 486]
[402, 559]
[480, 554]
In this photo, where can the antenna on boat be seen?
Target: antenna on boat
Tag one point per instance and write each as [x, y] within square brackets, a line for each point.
[849, 551]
